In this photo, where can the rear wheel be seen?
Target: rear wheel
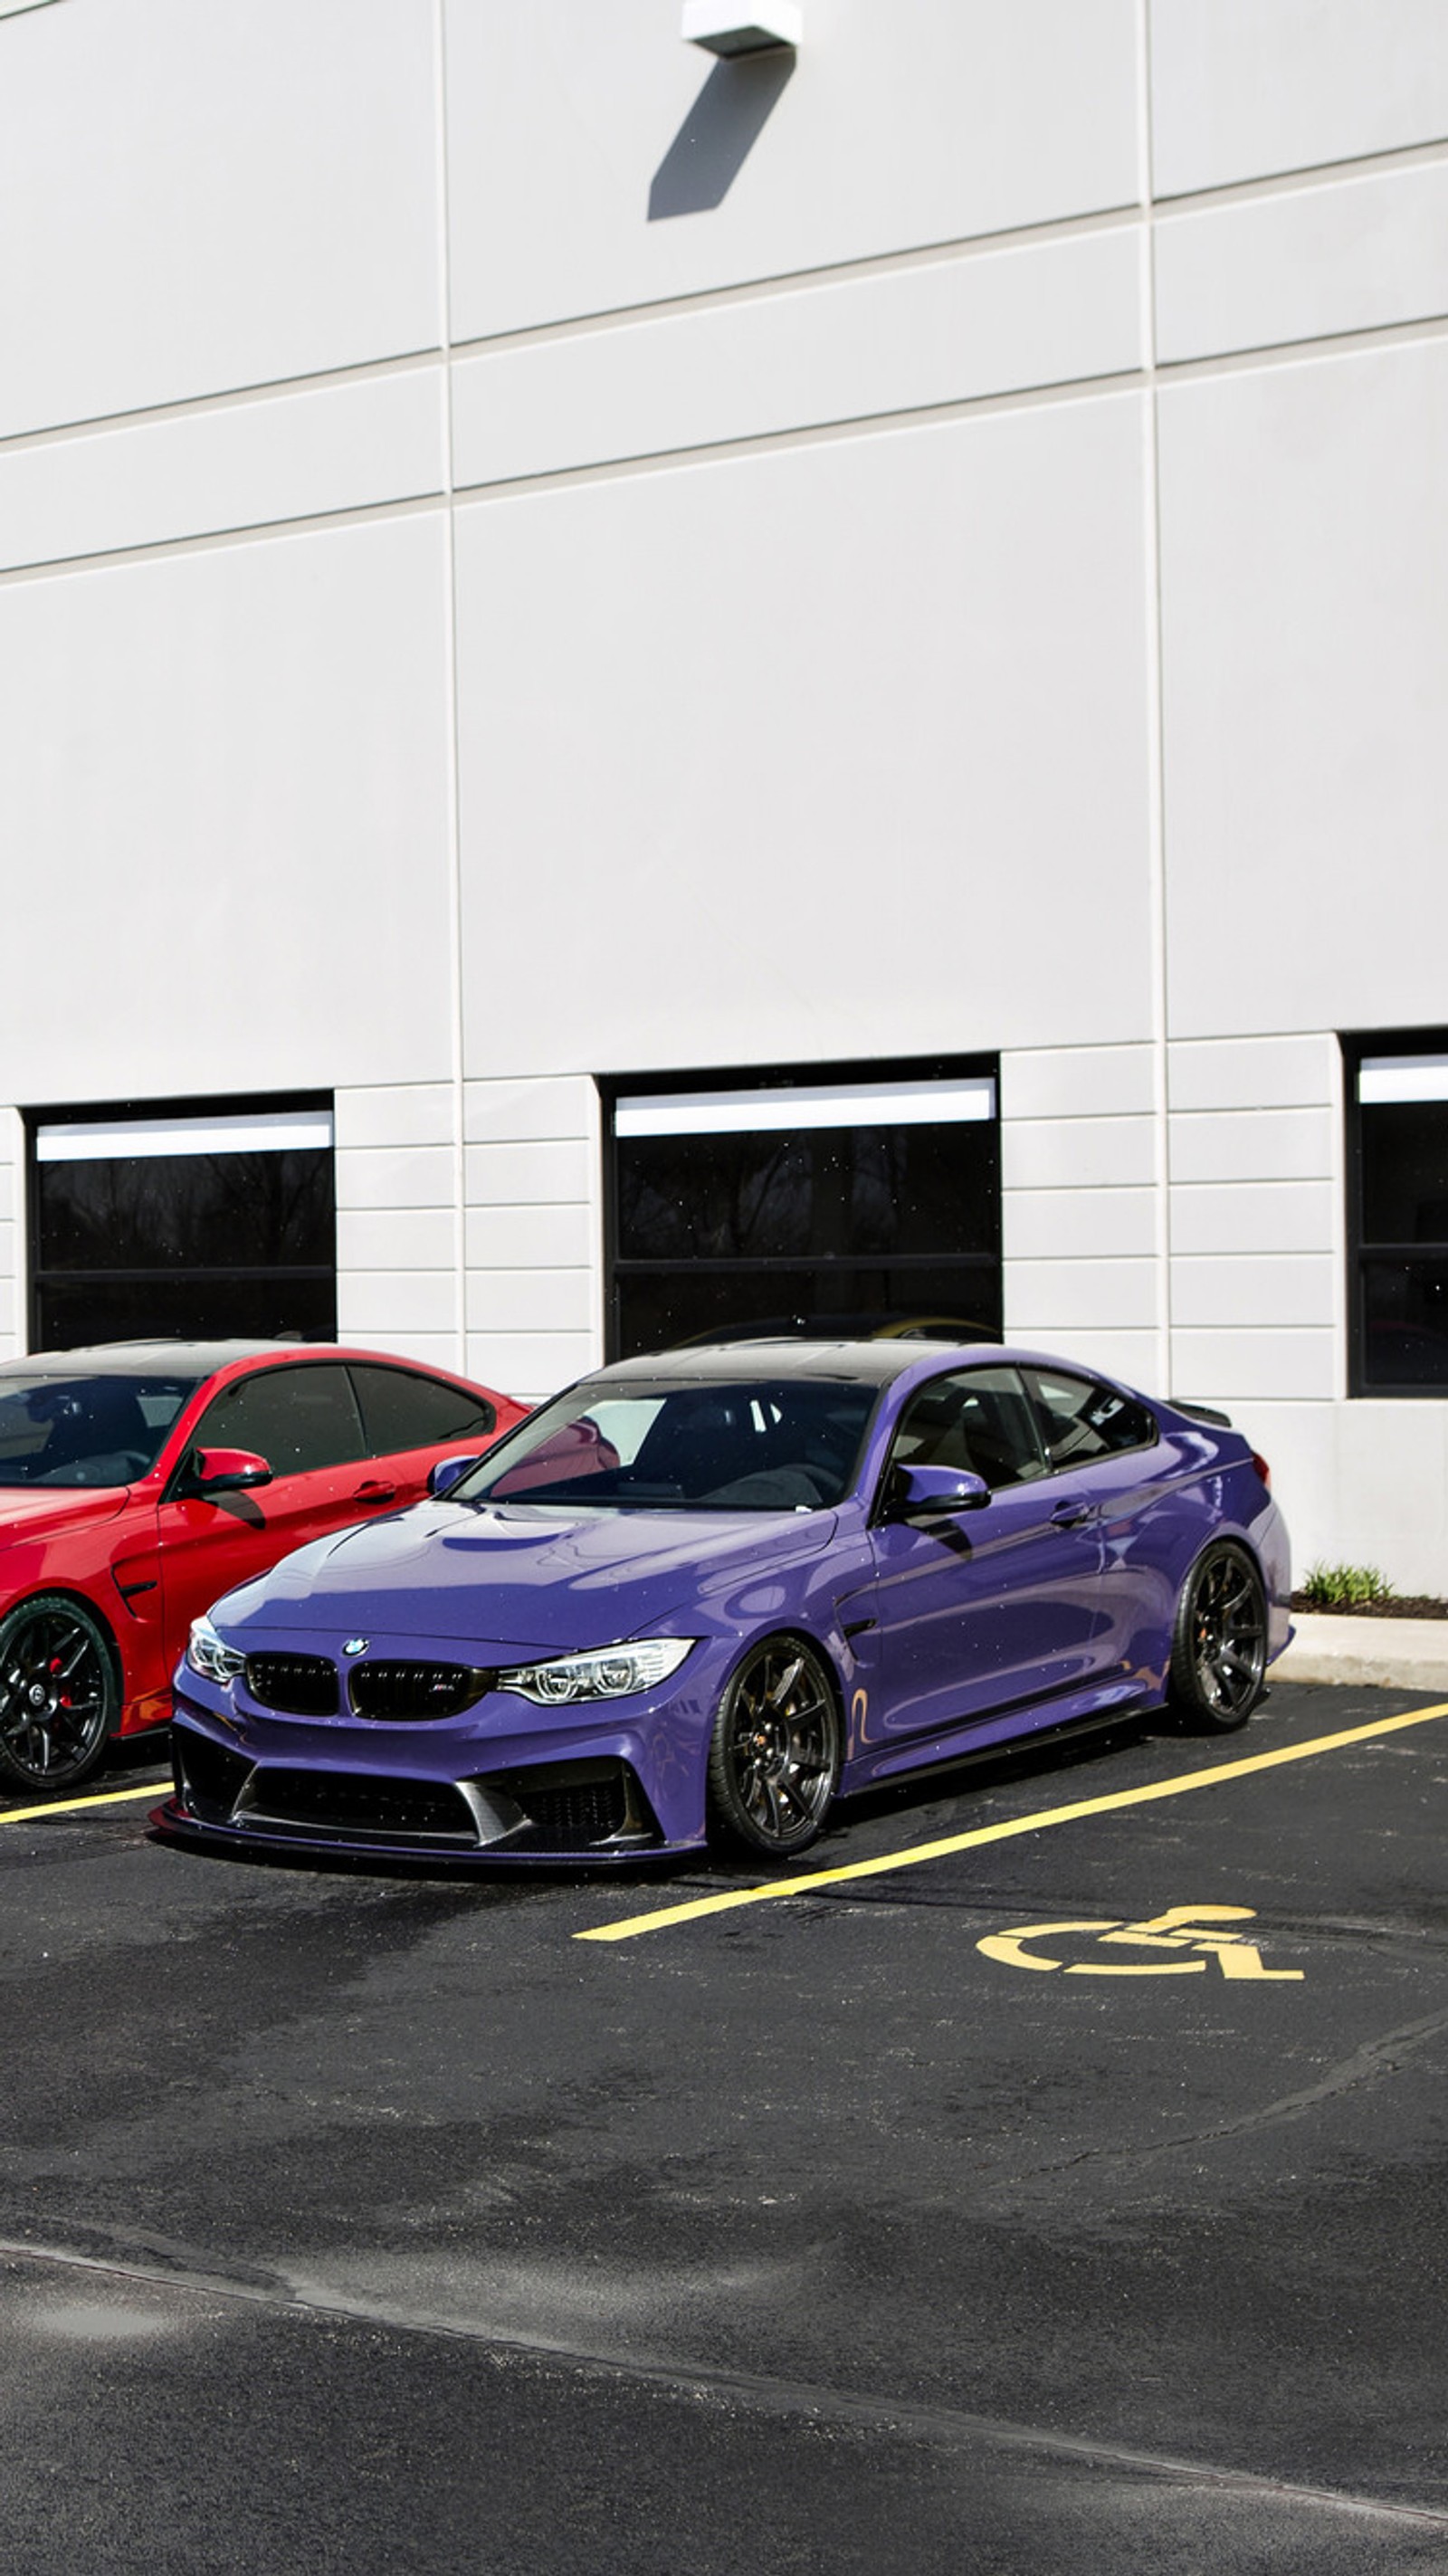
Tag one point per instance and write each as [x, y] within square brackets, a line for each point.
[58, 1694]
[1219, 1642]
[775, 1758]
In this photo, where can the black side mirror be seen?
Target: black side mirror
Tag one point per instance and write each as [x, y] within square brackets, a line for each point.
[224, 1471]
[933, 1493]
[447, 1472]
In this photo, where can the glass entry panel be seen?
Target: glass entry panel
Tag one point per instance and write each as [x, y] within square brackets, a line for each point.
[1398, 1125]
[208, 1224]
[851, 1206]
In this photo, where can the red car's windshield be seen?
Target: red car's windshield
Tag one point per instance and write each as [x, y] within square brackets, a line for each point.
[77, 1430]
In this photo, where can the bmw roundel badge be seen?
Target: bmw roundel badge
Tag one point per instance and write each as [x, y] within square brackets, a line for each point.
[355, 1646]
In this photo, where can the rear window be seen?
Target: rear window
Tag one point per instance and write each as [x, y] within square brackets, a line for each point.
[401, 1410]
[1082, 1418]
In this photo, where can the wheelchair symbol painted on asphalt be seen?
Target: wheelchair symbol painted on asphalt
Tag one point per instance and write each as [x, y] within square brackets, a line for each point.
[1182, 1927]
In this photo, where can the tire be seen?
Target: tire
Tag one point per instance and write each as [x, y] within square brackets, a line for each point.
[774, 1761]
[1219, 1640]
[58, 1693]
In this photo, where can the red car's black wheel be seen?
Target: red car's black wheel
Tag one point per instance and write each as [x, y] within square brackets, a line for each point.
[775, 1757]
[58, 1693]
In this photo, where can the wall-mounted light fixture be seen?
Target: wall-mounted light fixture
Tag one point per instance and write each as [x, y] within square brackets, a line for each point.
[723, 29]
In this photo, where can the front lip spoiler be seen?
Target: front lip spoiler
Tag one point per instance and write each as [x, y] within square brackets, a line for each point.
[173, 1823]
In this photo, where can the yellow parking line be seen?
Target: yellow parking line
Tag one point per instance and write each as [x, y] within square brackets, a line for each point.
[1211, 1778]
[72, 1806]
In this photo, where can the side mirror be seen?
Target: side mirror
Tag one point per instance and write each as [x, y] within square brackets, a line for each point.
[447, 1472]
[933, 1493]
[225, 1471]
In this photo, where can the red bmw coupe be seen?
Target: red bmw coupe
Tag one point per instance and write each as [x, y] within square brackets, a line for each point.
[141, 1480]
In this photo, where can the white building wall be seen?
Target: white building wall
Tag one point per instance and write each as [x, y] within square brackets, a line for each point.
[502, 584]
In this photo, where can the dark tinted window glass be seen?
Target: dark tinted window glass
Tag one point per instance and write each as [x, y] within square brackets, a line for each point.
[403, 1411]
[1398, 1217]
[953, 1301]
[836, 1191]
[976, 1419]
[198, 1211]
[76, 1312]
[1405, 1323]
[205, 1245]
[1081, 1419]
[1405, 1172]
[295, 1418]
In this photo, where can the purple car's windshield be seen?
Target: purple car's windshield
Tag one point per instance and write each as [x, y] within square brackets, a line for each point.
[775, 1446]
[78, 1430]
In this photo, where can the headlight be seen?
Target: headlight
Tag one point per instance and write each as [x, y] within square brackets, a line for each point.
[208, 1653]
[610, 1674]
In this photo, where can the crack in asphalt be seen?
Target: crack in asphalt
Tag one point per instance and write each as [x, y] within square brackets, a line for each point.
[943, 2426]
[1372, 2059]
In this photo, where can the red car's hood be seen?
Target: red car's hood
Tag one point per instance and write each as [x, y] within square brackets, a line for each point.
[29, 1511]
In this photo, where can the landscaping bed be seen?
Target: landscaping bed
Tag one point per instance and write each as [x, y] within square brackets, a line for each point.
[1399, 1605]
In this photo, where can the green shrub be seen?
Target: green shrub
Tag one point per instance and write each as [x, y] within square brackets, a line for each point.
[1344, 1587]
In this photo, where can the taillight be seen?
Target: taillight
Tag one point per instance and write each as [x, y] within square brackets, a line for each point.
[1263, 1470]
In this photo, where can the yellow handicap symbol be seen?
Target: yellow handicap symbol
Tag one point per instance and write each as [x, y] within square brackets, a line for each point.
[1182, 1927]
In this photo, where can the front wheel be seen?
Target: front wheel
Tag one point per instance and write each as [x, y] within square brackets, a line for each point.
[1219, 1642]
[58, 1694]
[775, 1759]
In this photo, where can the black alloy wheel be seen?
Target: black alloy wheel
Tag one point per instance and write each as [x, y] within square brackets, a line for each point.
[1219, 1642]
[775, 1757]
[58, 1693]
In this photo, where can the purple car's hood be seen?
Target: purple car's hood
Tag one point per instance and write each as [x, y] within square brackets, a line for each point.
[531, 1580]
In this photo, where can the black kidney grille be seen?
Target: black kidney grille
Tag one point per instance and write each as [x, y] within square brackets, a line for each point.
[410, 1693]
[297, 1685]
[354, 1802]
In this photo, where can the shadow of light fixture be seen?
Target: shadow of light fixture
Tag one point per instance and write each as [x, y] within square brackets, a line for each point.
[731, 31]
[719, 133]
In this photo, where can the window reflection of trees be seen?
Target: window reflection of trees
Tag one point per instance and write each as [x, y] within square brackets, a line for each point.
[843, 1192]
[202, 1211]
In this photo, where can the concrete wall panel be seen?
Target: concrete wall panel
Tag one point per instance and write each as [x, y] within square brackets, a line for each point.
[754, 750]
[598, 162]
[241, 465]
[839, 350]
[197, 199]
[1359, 255]
[225, 775]
[1305, 562]
[1243, 88]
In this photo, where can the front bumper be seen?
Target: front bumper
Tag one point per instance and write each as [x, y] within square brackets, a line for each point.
[500, 1783]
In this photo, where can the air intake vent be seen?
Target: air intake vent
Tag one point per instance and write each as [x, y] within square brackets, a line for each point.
[408, 1694]
[209, 1777]
[355, 1804]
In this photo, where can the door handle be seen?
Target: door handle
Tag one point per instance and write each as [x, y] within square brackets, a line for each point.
[372, 1494]
[1070, 1515]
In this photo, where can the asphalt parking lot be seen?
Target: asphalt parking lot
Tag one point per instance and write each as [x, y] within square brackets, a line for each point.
[1068, 2198]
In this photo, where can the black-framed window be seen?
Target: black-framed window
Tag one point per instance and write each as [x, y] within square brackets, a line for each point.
[1396, 1092]
[828, 1199]
[211, 1219]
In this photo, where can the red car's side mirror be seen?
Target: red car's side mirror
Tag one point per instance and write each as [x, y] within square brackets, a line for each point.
[225, 1471]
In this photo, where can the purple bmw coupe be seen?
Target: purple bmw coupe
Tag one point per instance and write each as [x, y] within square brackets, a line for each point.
[700, 1595]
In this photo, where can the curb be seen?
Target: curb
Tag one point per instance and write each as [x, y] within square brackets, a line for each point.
[1386, 1654]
